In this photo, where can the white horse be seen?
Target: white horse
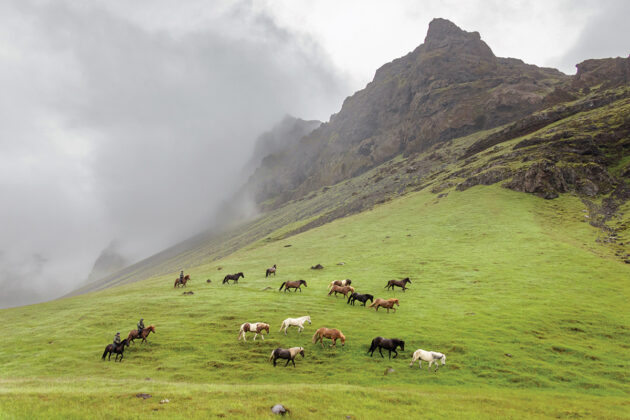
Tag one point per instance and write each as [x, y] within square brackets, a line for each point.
[296, 322]
[427, 356]
[255, 327]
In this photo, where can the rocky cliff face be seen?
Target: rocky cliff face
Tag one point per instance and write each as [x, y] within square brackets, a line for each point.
[109, 261]
[450, 86]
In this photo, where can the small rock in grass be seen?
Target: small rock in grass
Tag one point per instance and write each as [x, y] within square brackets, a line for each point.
[341, 263]
[208, 281]
[388, 371]
[165, 401]
[144, 396]
[287, 246]
[188, 293]
[317, 267]
[279, 409]
[508, 354]
[219, 268]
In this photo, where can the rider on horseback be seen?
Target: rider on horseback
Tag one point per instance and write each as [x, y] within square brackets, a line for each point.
[181, 277]
[140, 327]
[116, 342]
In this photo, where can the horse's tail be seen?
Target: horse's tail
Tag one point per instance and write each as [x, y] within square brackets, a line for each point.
[372, 305]
[316, 336]
[267, 273]
[282, 326]
[330, 286]
[272, 353]
[372, 346]
[282, 285]
[104, 353]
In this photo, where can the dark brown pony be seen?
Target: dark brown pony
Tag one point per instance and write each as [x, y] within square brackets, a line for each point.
[297, 285]
[344, 290]
[331, 333]
[361, 298]
[387, 344]
[271, 270]
[182, 282]
[234, 277]
[118, 350]
[387, 304]
[400, 283]
[133, 334]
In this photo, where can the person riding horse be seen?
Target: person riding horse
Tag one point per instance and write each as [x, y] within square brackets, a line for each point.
[116, 342]
[140, 327]
[181, 277]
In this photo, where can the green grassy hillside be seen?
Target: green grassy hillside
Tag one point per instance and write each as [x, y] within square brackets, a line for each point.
[530, 311]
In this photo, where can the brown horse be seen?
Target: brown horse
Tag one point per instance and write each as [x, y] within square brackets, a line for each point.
[387, 304]
[400, 283]
[133, 334]
[344, 290]
[181, 282]
[271, 270]
[297, 285]
[331, 333]
[346, 282]
[255, 327]
[234, 277]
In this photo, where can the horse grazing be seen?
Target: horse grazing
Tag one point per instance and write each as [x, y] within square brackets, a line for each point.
[181, 282]
[428, 356]
[271, 270]
[346, 282]
[387, 344]
[331, 333]
[133, 334]
[288, 354]
[234, 277]
[256, 328]
[110, 348]
[293, 285]
[360, 298]
[297, 322]
[344, 290]
[400, 283]
[387, 304]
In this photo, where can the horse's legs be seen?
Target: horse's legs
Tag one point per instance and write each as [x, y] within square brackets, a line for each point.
[262, 336]
[334, 342]
[287, 363]
[293, 360]
[380, 350]
[274, 360]
[395, 355]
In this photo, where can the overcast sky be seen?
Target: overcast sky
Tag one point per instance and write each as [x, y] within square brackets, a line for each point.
[132, 120]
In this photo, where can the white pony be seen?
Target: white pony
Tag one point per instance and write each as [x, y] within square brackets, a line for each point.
[296, 322]
[427, 356]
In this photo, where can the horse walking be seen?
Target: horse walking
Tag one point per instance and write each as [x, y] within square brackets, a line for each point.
[387, 344]
[331, 333]
[233, 277]
[293, 285]
[255, 327]
[181, 282]
[428, 356]
[346, 282]
[387, 304]
[400, 283]
[297, 322]
[344, 290]
[271, 270]
[119, 350]
[288, 354]
[133, 334]
[361, 298]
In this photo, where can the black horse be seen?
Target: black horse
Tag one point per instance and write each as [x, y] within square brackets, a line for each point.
[271, 270]
[288, 354]
[361, 298]
[118, 350]
[387, 344]
[234, 277]
[400, 283]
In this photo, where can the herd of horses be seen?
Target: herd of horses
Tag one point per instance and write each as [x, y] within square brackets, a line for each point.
[342, 287]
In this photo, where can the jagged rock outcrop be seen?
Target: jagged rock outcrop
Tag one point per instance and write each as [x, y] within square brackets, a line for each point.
[109, 261]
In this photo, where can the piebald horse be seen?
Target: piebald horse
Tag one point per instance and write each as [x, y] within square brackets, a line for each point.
[331, 333]
[133, 334]
[288, 354]
[428, 356]
[296, 322]
[271, 270]
[344, 290]
[255, 327]
[346, 282]
[387, 304]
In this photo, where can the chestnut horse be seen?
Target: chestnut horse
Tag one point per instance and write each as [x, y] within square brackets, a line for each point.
[181, 282]
[293, 285]
[346, 282]
[288, 354]
[331, 333]
[387, 304]
[133, 334]
[118, 350]
[271, 270]
[400, 283]
[255, 327]
[344, 290]
[234, 277]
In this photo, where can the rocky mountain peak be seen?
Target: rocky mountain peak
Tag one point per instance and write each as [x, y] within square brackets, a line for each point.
[443, 33]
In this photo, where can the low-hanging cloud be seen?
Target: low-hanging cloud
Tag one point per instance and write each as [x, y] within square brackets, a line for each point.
[113, 129]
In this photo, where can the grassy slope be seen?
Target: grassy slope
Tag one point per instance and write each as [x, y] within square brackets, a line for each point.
[493, 271]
